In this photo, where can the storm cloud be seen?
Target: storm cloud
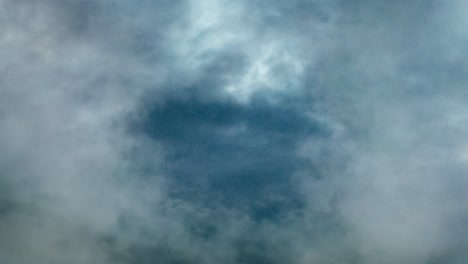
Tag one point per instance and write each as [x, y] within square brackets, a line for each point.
[212, 131]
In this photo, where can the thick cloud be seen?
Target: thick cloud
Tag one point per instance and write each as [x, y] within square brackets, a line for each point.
[233, 132]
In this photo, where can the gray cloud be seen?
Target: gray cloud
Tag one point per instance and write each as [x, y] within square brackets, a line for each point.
[233, 132]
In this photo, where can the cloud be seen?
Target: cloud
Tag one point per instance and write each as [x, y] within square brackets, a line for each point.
[220, 132]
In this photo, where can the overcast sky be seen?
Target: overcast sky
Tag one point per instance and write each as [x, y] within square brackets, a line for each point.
[236, 132]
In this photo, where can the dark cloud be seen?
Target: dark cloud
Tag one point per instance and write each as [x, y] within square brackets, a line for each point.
[243, 153]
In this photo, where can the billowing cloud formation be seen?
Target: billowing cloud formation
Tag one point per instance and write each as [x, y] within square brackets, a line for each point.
[233, 132]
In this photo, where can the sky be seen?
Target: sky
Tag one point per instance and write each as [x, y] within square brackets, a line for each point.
[236, 132]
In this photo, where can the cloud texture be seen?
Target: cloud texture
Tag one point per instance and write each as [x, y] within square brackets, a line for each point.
[214, 131]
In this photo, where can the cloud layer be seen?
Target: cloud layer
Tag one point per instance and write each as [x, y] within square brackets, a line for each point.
[215, 131]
